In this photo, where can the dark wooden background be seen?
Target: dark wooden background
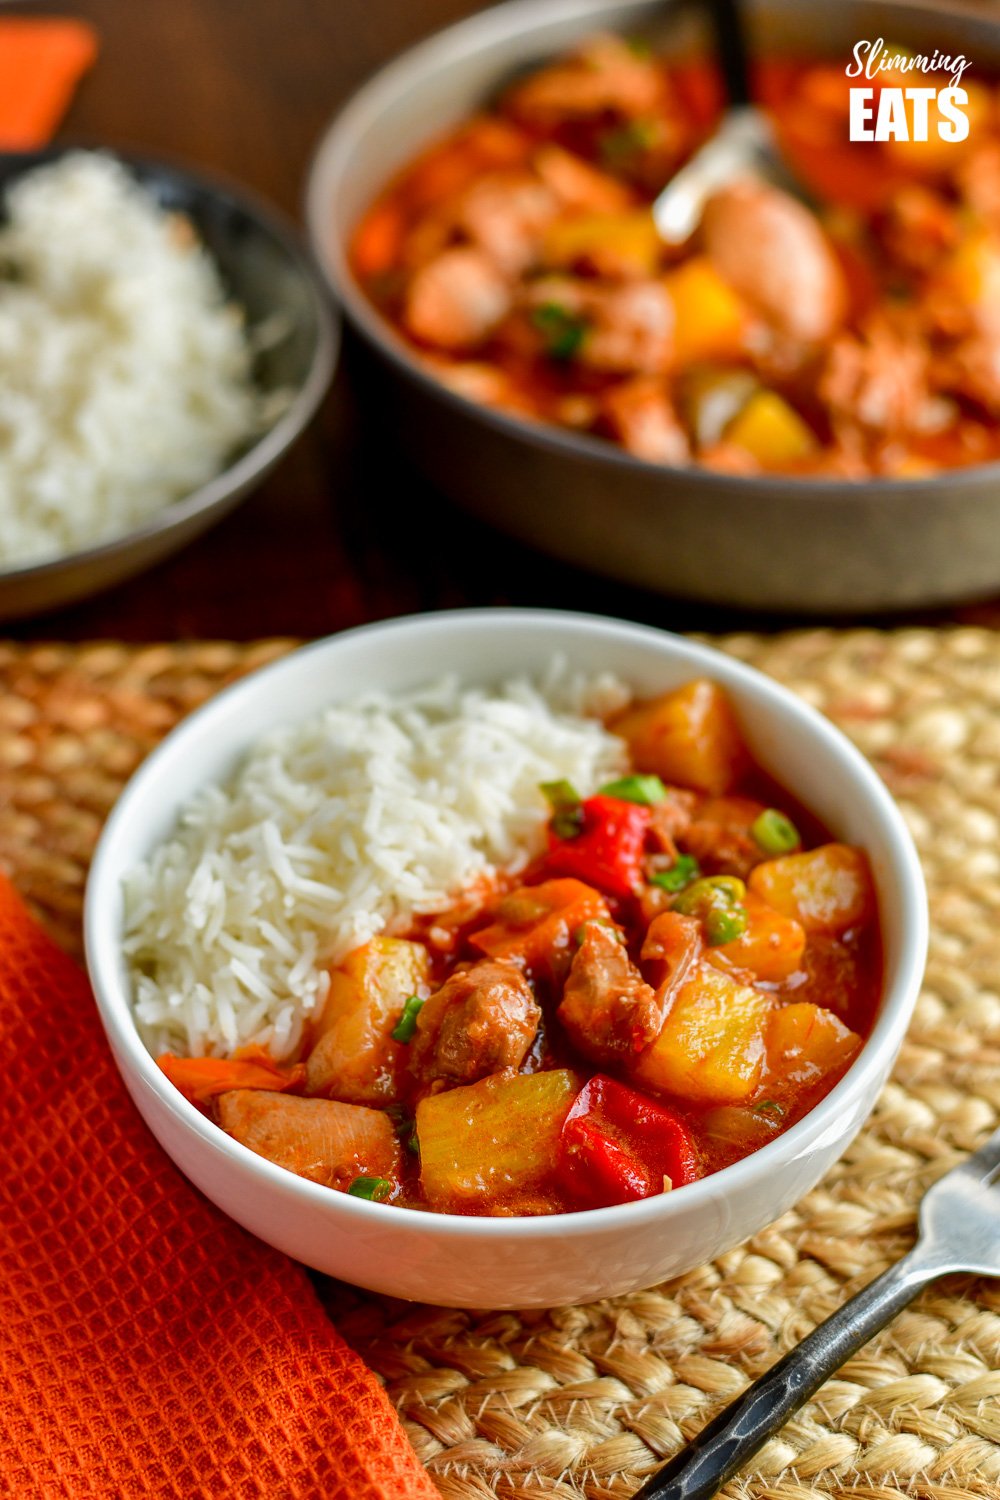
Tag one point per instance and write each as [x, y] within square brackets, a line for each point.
[343, 532]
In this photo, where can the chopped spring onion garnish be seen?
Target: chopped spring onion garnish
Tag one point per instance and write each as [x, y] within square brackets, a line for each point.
[646, 790]
[684, 869]
[566, 805]
[559, 794]
[725, 924]
[407, 1023]
[620, 145]
[711, 893]
[375, 1188]
[770, 1107]
[562, 331]
[773, 833]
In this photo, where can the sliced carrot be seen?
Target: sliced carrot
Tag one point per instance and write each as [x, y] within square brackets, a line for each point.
[377, 240]
[201, 1078]
[534, 924]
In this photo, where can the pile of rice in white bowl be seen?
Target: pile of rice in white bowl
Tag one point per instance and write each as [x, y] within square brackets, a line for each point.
[352, 823]
[125, 373]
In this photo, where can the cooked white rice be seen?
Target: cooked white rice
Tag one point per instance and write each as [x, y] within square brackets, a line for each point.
[124, 374]
[339, 828]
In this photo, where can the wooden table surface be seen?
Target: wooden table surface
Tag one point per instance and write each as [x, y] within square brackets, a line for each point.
[343, 532]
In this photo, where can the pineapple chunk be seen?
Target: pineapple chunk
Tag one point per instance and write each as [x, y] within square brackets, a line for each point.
[619, 244]
[354, 1057]
[771, 947]
[710, 319]
[806, 1042]
[689, 737]
[828, 889]
[772, 431]
[712, 1046]
[492, 1140]
[328, 1142]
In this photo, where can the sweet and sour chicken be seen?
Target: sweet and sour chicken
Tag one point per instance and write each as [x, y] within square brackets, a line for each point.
[854, 337]
[687, 967]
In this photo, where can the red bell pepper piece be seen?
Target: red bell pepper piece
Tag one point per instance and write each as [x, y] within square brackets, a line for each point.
[618, 1145]
[607, 851]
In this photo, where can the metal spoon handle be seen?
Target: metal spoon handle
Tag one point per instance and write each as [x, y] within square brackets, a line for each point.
[736, 1434]
[731, 49]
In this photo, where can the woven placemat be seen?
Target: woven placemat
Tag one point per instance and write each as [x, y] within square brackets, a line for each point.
[585, 1401]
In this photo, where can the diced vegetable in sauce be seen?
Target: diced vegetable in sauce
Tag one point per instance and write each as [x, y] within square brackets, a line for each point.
[354, 1053]
[494, 1141]
[687, 966]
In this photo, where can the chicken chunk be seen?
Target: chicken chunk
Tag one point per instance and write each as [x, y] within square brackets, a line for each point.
[878, 382]
[606, 76]
[668, 819]
[607, 1009]
[322, 1139]
[919, 228]
[504, 214]
[628, 329]
[481, 1021]
[641, 416]
[775, 254]
[974, 370]
[578, 185]
[456, 300]
[719, 836]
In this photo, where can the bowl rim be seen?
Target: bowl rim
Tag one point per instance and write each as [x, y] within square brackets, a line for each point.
[474, 35]
[904, 885]
[272, 444]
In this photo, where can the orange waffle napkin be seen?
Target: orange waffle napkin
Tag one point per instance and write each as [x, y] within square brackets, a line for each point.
[148, 1346]
[42, 60]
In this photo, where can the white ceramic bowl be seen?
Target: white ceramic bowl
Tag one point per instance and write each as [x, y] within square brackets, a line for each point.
[508, 1262]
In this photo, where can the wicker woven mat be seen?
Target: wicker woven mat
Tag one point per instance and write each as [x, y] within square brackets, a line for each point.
[584, 1401]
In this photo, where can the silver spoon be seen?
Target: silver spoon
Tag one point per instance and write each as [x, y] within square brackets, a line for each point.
[959, 1231]
[743, 145]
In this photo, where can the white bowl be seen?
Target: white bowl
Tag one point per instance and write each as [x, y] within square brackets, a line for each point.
[470, 1262]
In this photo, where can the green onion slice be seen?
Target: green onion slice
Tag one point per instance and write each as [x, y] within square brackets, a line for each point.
[773, 833]
[407, 1023]
[567, 807]
[646, 790]
[684, 869]
[711, 893]
[619, 145]
[725, 924]
[377, 1189]
[560, 794]
[562, 331]
[770, 1107]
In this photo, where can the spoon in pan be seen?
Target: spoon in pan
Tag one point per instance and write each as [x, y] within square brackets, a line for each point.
[743, 145]
[959, 1231]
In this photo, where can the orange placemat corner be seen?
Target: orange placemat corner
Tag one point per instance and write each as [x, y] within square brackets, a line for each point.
[42, 59]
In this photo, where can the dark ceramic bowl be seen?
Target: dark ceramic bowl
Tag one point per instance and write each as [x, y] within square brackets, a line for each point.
[265, 270]
[816, 546]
